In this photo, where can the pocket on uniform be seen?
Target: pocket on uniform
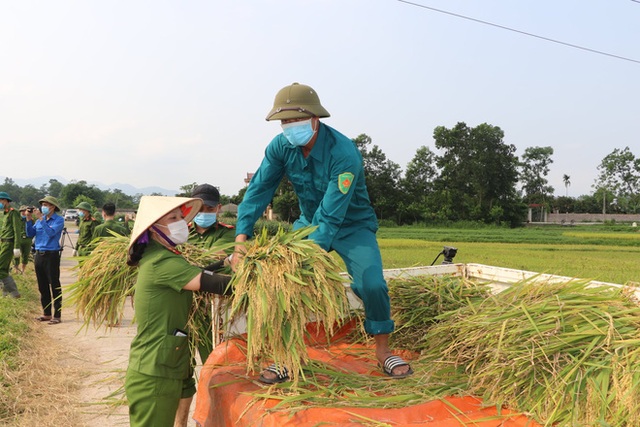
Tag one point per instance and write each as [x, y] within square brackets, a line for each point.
[174, 352]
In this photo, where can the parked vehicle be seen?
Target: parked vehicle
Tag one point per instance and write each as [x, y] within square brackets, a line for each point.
[71, 215]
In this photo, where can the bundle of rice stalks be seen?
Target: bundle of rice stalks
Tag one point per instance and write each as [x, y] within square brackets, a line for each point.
[416, 303]
[104, 281]
[566, 352]
[281, 283]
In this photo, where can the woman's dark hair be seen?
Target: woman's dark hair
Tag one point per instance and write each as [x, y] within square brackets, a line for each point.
[135, 255]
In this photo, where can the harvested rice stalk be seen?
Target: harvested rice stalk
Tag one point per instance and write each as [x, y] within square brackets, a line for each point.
[104, 281]
[567, 353]
[416, 303]
[281, 283]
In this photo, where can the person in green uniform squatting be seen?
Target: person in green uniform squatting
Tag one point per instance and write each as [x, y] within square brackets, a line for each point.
[327, 173]
[87, 224]
[159, 374]
[11, 229]
[25, 242]
[110, 223]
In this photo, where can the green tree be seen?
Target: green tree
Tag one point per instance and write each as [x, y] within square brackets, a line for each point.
[534, 170]
[566, 179]
[54, 188]
[619, 173]
[31, 195]
[187, 189]
[71, 191]
[382, 177]
[285, 202]
[12, 189]
[478, 175]
[418, 183]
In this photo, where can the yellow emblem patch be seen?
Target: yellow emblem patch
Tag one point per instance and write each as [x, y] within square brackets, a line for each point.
[344, 182]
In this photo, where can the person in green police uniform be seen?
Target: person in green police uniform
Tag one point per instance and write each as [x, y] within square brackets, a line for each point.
[159, 374]
[327, 174]
[110, 223]
[11, 228]
[87, 224]
[205, 230]
[25, 242]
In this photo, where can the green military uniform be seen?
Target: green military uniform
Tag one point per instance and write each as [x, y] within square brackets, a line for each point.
[24, 244]
[216, 234]
[159, 360]
[10, 232]
[87, 225]
[102, 230]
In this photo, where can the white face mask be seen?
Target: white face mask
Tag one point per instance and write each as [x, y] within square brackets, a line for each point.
[178, 232]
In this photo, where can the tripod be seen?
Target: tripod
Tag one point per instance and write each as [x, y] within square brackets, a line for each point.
[65, 238]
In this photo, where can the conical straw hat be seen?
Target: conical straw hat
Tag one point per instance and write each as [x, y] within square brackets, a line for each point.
[152, 208]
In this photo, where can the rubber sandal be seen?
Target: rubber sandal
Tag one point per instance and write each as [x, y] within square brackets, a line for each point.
[43, 318]
[392, 362]
[55, 321]
[282, 375]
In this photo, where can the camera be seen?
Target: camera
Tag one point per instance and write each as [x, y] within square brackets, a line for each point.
[449, 252]
[30, 209]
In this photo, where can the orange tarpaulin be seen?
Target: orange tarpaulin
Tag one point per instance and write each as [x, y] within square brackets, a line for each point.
[229, 403]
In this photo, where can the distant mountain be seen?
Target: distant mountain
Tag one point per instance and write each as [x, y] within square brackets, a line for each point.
[125, 188]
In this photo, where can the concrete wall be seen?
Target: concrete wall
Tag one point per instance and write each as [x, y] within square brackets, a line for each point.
[583, 217]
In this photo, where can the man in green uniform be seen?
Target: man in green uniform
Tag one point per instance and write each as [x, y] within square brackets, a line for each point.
[327, 174]
[25, 242]
[10, 232]
[205, 230]
[87, 224]
[110, 223]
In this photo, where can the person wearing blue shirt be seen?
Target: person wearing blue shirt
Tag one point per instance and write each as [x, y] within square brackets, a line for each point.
[327, 174]
[47, 229]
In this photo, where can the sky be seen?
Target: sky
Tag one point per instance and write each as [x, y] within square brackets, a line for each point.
[167, 93]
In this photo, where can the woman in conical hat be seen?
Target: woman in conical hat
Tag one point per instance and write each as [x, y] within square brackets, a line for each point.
[159, 373]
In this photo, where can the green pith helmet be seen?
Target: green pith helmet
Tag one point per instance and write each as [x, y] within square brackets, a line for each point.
[52, 200]
[84, 206]
[296, 101]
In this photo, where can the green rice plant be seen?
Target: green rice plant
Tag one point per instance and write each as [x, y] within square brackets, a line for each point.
[280, 284]
[416, 303]
[566, 352]
[104, 282]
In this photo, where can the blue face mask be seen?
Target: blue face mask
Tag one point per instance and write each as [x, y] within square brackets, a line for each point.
[45, 210]
[81, 214]
[298, 133]
[1, 205]
[205, 219]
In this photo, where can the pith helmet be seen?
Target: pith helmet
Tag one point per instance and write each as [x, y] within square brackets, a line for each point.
[5, 196]
[85, 206]
[296, 101]
[52, 200]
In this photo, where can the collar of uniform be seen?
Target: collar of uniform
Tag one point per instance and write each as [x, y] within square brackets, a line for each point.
[317, 152]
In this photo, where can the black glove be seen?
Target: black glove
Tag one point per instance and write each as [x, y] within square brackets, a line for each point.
[215, 266]
[215, 283]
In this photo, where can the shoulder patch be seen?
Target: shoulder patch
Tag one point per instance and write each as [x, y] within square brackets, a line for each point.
[344, 182]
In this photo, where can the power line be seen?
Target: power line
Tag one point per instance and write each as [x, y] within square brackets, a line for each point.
[599, 52]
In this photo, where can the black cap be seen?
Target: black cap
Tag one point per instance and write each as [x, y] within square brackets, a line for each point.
[208, 193]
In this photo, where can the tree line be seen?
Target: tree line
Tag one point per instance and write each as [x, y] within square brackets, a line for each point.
[475, 176]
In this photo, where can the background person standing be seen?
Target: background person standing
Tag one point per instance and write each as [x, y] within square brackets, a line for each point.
[47, 229]
[10, 232]
[87, 224]
[25, 242]
[110, 223]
